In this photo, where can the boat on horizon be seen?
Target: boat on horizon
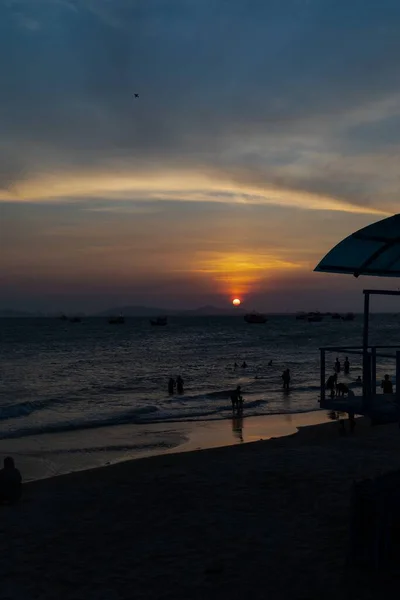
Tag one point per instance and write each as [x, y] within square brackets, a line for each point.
[314, 317]
[349, 317]
[255, 317]
[116, 320]
[301, 316]
[160, 321]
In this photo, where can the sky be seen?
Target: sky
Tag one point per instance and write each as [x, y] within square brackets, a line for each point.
[264, 133]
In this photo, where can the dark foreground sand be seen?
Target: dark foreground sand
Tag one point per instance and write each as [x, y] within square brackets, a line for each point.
[255, 521]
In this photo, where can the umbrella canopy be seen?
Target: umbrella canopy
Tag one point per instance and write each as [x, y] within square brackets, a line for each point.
[373, 250]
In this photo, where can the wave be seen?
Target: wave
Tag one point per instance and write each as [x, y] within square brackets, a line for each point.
[144, 415]
[24, 409]
[132, 416]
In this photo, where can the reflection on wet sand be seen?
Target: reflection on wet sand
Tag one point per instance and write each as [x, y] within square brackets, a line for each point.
[237, 427]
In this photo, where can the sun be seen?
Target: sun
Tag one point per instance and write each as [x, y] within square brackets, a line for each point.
[236, 302]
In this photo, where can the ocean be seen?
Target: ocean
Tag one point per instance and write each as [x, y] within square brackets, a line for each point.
[58, 376]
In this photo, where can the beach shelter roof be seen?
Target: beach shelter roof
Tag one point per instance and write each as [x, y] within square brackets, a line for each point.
[373, 250]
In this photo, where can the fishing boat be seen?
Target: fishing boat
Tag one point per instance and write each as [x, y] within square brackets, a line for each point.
[349, 317]
[301, 316]
[255, 317]
[314, 317]
[160, 321]
[116, 320]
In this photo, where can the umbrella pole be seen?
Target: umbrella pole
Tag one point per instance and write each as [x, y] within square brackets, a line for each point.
[366, 361]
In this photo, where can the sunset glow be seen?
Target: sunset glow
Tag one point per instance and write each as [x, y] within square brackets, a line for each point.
[236, 302]
[184, 198]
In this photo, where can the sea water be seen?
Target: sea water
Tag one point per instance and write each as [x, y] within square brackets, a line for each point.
[58, 376]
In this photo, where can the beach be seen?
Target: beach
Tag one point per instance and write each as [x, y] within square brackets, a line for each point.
[267, 519]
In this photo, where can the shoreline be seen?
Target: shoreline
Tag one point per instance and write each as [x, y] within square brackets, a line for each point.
[52, 455]
[204, 524]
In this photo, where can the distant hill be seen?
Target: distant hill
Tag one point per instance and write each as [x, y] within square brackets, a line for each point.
[151, 311]
[17, 314]
[134, 311]
[208, 311]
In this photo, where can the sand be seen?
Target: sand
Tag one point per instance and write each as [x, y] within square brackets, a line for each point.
[259, 520]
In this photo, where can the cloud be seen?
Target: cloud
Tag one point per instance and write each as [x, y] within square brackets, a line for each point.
[273, 97]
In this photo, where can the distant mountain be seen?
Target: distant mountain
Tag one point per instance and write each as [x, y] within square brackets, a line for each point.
[16, 314]
[208, 311]
[151, 311]
[134, 311]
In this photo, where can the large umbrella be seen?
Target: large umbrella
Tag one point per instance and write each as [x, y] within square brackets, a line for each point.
[373, 250]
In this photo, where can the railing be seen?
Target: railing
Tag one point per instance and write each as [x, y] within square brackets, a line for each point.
[369, 354]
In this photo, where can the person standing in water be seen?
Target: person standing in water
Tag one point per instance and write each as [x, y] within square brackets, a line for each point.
[347, 366]
[171, 386]
[179, 384]
[235, 398]
[286, 379]
[244, 365]
[337, 366]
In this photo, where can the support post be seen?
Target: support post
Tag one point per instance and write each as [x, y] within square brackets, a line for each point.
[398, 379]
[322, 372]
[373, 370]
[366, 358]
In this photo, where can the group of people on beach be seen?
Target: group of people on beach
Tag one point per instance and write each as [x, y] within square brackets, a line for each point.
[178, 383]
[339, 389]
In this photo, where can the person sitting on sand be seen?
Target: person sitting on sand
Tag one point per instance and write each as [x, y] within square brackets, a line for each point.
[387, 385]
[179, 384]
[286, 379]
[10, 482]
[331, 384]
[171, 386]
[347, 366]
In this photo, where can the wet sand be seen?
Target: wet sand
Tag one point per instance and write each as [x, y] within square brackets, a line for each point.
[49, 455]
[261, 520]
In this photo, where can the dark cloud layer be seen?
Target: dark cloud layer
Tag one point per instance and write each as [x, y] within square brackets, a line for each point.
[294, 75]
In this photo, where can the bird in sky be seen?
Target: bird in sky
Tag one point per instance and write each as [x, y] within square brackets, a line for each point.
[136, 95]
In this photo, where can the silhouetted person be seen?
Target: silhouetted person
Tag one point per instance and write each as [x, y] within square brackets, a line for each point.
[179, 384]
[270, 363]
[331, 384]
[235, 398]
[244, 365]
[341, 389]
[10, 482]
[235, 366]
[171, 386]
[346, 366]
[359, 380]
[286, 379]
[387, 385]
[337, 365]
